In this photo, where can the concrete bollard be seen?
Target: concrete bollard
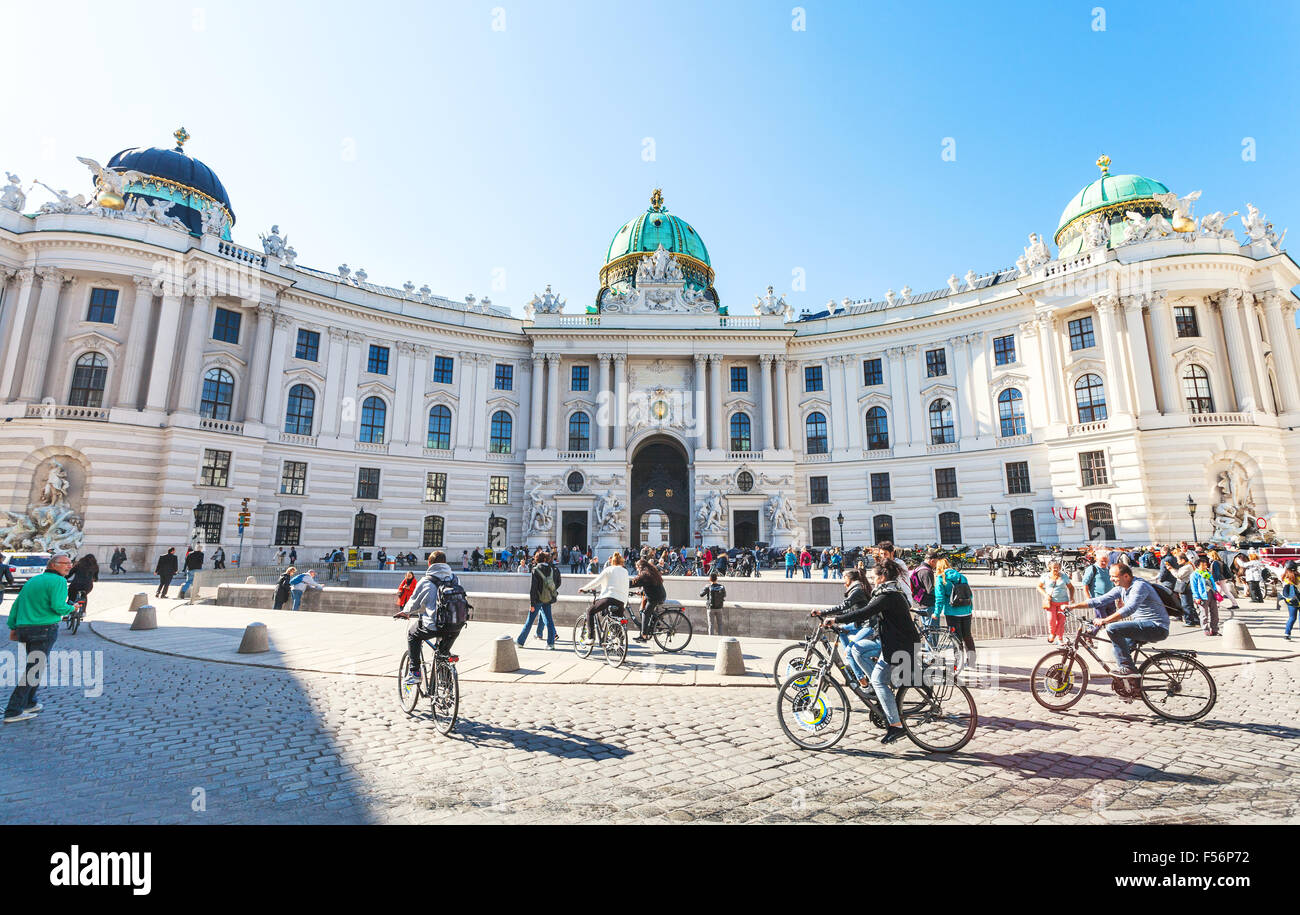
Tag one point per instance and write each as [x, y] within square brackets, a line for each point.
[255, 639]
[504, 657]
[250, 580]
[730, 662]
[1236, 635]
[146, 617]
[138, 601]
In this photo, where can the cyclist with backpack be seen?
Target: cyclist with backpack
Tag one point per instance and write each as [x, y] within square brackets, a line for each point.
[953, 600]
[542, 591]
[439, 609]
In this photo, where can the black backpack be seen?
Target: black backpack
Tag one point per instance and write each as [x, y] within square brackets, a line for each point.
[453, 605]
[961, 595]
[1172, 604]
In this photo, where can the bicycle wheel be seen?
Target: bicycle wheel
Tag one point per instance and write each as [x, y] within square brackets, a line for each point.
[814, 715]
[948, 651]
[1177, 687]
[74, 620]
[581, 650]
[408, 695]
[1059, 680]
[672, 631]
[794, 658]
[613, 643]
[940, 721]
[445, 701]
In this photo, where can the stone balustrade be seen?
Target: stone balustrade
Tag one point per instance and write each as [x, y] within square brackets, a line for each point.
[1221, 419]
[240, 253]
[1086, 428]
[63, 411]
[288, 438]
[221, 425]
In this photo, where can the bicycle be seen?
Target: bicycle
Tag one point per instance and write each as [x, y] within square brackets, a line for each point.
[438, 681]
[818, 709]
[73, 619]
[939, 647]
[669, 627]
[1165, 676]
[610, 638]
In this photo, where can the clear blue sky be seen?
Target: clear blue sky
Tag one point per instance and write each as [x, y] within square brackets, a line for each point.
[423, 144]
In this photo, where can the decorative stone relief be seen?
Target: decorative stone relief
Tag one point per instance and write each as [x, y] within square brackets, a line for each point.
[50, 522]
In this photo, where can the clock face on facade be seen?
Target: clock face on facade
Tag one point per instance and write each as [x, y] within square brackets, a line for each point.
[745, 481]
[660, 409]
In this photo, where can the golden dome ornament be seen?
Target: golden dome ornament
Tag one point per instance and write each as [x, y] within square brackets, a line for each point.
[1103, 163]
[1182, 223]
[110, 201]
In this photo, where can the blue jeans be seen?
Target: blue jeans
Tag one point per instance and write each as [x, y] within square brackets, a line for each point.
[297, 598]
[789, 571]
[826, 571]
[807, 571]
[885, 691]
[1189, 608]
[1127, 633]
[38, 640]
[860, 650]
[545, 611]
[1292, 610]
[189, 580]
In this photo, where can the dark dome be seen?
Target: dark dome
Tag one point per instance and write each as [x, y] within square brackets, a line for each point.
[174, 165]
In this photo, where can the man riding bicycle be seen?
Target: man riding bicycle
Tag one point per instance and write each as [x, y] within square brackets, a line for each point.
[422, 610]
[1141, 619]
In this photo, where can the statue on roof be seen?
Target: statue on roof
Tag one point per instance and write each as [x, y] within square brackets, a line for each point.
[110, 185]
[64, 203]
[1036, 253]
[1181, 207]
[547, 303]
[953, 284]
[146, 209]
[657, 199]
[12, 196]
[1212, 225]
[770, 304]
[1096, 232]
[214, 220]
[273, 244]
[658, 267]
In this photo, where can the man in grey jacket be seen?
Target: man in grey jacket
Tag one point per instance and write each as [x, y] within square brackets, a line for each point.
[422, 610]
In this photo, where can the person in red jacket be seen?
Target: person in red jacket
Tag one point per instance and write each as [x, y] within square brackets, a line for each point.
[404, 590]
[805, 563]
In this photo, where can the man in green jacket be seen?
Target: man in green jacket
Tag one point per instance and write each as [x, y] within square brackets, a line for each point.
[34, 621]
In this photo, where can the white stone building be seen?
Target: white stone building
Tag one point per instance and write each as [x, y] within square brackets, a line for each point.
[173, 373]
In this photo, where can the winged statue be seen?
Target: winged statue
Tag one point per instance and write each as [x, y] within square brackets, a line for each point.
[109, 183]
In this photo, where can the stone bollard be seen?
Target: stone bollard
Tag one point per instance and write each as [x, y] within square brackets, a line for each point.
[146, 617]
[255, 639]
[730, 662]
[250, 580]
[504, 657]
[1237, 636]
[138, 601]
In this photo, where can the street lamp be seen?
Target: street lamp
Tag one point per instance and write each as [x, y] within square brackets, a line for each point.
[197, 535]
[1191, 510]
[993, 520]
[840, 519]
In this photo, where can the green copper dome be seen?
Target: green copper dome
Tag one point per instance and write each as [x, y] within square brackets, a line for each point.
[655, 227]
[1110, 195]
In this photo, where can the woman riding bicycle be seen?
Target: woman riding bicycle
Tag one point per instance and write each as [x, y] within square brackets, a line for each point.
[653, 594]
[860, 646]
[610, 587]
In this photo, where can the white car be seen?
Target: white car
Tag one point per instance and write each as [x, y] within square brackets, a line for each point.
[25, 565]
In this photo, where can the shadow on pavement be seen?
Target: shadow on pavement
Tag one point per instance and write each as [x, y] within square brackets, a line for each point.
[547, 739]
[1037, 764]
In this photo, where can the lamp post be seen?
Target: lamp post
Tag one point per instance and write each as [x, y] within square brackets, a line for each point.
[197, 535]
[840, 519]
[1191, 510]
[993, 520]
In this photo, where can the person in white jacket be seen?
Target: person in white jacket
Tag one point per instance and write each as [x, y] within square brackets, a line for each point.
[610, 588]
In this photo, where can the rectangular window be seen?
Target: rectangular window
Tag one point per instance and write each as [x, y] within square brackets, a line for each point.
[293, 478]
[880, 487]
[819, 491]
[945, 482]
[216, 468]
[103, 306]
[812, 378]
[505, 377]
[1018, 477]
[377, 362]
[739, 379]
[1004, 350]
[225, 327]
[580, 378]
[1185, 321]
[308, 345]
[368, 483]
[435, 487]
[873, 372]
[442, 369]
[1081, 334]
[499, 491]
[936, 363]
[1092, 468]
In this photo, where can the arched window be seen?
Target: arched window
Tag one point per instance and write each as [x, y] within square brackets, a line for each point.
[363, 529]
[502, 426]
[433, 526]
[815, 434]
[1090, 398]
[1101, 521]
[949, 528]
[941, 427]
[579, 432]
[1011, 411]
[439, 429]
[1196, 388]
[88, 378]
[740, 440]
[218, 394]
[288, 528]
[877, 429]
[1022, 526]
[298, 414]
[821, 531]
[374, 416]
[882, 528]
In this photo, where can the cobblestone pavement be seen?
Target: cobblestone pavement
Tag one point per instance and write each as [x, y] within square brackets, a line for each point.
[169, 735]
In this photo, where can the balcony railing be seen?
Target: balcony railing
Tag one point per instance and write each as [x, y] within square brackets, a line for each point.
[503, 456]
[438, 453]
[877, 454]
[240, 253]
[579, 320]
[738, 321]
[817, 458]
[371, 447]
[1222, 419]
[945, 448]
[744, 455]
[288, 438]
[1012, 441]
[57, 411]
[221, 425]
[575, 456]
[1086, 428]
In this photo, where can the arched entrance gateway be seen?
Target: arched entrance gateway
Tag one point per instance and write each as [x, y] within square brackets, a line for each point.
[660, 479]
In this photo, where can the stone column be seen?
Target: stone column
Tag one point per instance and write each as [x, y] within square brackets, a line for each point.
[137, 340]
[349, 418]
[417, 425]
[536, 422]
[15, 338]
[164, 351]
[963, 402]
[620, 401]
[402, 399]
[717, 435]
[333, 382]
[41, 339]
[900, 416]
[553, 401]
[1238, 357]
[1220, 376]
[199, 331]
[469, 409]
[700, 409]
[1283, 355]
[1258, 367]
[1054, 380]
[1170, 397]
[782, 403]
[763, 440]
[1116, 382]
[271, 408]
[483, 368]
[1143, 380]
[839, 405]
[976, 389]
[257, 394]
[604, 418]
[1036, 410]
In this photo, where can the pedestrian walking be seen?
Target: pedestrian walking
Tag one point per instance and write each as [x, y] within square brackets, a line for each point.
[34, 621]
[304, 581]
[953, 601]
[166, 567]
[543, 589]
[1254, 573]
[714, 595]
[219, 558]
[1222, 577]
[283, 589]
[279, 558]
[115, 563]
[193, 563]
[293, 555]
[1206, 596]
[1057, 591]
[1290, 599]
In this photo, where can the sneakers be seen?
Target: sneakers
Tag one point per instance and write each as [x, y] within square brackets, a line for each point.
[34, 708]
[412, 678]
[894, 733]
[1125, 673]
[22, 716]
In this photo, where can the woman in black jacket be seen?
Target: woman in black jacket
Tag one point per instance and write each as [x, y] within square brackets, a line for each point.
[889, 613]
[82, 577]
[282, 588]
[858, 641]
[654, 593]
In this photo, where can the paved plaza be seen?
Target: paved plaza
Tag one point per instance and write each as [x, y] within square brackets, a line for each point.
[187, 740]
